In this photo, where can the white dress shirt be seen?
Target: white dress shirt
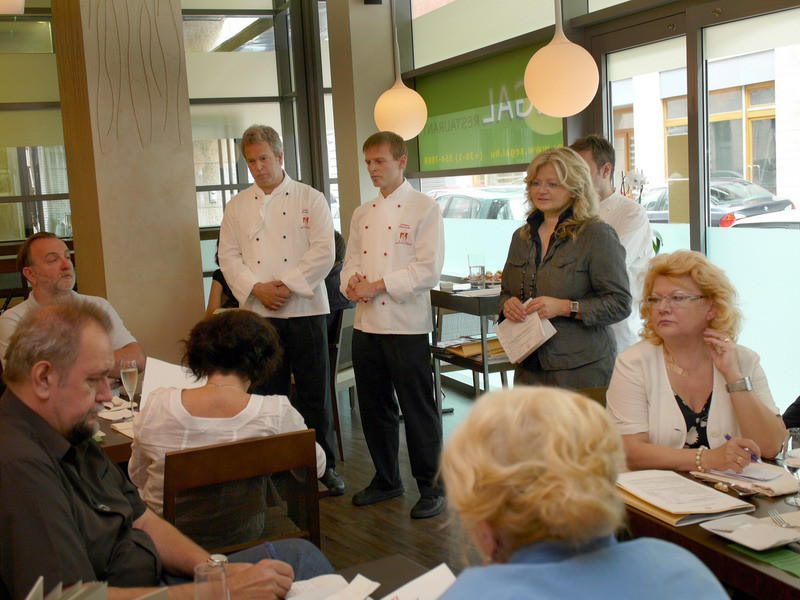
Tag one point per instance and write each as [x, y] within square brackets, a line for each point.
[399, 239]
[120, 336]
[629, 220]
[640, 398]
[165, 425]
[284, 236]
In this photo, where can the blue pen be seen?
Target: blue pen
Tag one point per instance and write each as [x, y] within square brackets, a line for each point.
[753, 457]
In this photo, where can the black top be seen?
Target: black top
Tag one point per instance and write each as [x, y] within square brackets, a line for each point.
[65, 511]
[228, 300]
[696, 423]
[337, 300]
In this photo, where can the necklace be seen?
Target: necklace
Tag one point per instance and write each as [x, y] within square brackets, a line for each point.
[673, 365]
[230, 385]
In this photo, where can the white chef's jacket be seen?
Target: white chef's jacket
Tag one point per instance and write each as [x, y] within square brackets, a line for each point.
[399, 239]
[629, 220]
[285, 236]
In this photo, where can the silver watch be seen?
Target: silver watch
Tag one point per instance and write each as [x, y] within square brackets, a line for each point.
[574, 308]
[742, 385]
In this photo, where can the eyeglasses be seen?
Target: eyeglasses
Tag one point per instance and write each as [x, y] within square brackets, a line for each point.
[679, 300]
[548, 185]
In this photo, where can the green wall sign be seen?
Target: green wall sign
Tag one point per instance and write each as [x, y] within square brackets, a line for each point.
[479, 116]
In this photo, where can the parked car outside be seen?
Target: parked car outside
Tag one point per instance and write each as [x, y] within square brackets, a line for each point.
[491, 202]
[731, 199]
[786, 219]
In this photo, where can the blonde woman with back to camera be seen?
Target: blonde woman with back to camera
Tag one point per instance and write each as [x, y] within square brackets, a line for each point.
[688, 397]
[531, 476]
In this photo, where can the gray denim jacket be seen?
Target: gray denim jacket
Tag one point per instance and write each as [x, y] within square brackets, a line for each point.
[591, 270]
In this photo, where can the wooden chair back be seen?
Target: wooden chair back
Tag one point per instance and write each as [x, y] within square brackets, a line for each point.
[285, 463]
[596, 393]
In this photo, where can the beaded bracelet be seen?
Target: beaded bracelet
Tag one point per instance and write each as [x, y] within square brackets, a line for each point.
[698, 457]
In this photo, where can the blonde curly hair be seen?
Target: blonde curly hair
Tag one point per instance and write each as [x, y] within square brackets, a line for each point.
[711, 280]
[535, 464]
[574, 174]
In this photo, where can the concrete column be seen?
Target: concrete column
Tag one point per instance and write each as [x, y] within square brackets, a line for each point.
[362, 68]
[128, 139]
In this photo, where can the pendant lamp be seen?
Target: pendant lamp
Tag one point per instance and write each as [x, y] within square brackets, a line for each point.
[12, 7]
[561, 79]
[400, 109]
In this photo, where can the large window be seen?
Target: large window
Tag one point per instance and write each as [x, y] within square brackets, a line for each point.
[753, 135]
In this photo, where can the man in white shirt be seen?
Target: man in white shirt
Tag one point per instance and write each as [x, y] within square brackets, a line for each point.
[45, 262]
[394, 257]
[629, 220]
[275, 249]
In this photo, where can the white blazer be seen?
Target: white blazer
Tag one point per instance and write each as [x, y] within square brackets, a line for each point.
[640, 398]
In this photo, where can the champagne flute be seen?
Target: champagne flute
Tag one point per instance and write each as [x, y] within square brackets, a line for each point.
[129, 373]
[792, 464]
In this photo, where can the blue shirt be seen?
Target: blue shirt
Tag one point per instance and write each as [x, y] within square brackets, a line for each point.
[602, 568]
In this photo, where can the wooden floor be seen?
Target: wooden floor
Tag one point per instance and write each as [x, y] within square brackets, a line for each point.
[353, 535]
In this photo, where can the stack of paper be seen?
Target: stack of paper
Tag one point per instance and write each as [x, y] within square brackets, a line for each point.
[520, 339]
[676, 499]
[468, 346]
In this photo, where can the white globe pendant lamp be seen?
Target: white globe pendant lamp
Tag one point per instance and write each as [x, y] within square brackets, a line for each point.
[400, 109]
[12, 7]
[561, 79]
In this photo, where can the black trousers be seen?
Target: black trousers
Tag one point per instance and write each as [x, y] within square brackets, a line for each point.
[403, 363]
[305, 354]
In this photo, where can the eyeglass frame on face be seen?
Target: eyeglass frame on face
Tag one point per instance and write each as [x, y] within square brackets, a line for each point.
[676, 300]
[550, 186]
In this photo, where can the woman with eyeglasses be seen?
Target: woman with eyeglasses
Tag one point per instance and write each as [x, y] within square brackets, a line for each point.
[568, 266]
[688, 397]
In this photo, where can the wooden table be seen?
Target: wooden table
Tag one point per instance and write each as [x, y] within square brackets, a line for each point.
[116, 446]
[391, 572]
[734, 569]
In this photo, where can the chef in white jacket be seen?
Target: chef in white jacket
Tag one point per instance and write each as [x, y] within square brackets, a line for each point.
[394, 257]
[275, 249]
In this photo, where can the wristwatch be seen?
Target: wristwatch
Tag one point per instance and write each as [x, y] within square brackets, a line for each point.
[742, 385]
[574, 308]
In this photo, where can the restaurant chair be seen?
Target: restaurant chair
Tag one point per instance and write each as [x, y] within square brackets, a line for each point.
[339, 359]
[597, 394]
[228, 497]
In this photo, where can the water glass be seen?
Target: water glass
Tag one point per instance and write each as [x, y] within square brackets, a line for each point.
[211, 582]
[477, 270]
[793, 464]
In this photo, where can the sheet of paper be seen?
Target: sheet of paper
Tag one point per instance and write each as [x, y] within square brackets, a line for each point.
[116, 414]
[125, 428]
[37, 591]
[676, 494]
[359, 589]
[757, 534]
[163, 374]
[520, 339]
[429, 586]
[491, 291]
[753, 472]
[317, 588]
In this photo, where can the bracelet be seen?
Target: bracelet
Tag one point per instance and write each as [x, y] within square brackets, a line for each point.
[740, 385]
[698, 459]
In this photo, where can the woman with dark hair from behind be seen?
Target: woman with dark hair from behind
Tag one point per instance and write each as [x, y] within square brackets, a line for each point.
[531, 475]
[235, 350]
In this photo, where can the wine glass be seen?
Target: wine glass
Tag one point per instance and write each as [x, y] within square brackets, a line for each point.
[792, 464]
[129, 373]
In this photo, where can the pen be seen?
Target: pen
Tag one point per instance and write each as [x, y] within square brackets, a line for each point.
[753, 457]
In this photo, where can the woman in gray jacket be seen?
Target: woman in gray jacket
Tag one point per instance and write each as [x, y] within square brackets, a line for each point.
[568, 266]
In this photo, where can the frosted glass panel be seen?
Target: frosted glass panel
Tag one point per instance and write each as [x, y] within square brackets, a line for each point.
[443, 29]
[762, 264]
[227, 121]
[231, 74]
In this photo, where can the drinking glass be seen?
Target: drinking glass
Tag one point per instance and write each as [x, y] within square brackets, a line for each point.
[477, 270]
[129, 373]
[211, 582]
[793, 464]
